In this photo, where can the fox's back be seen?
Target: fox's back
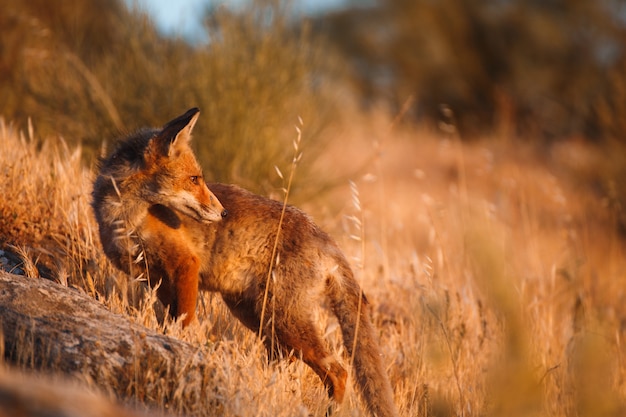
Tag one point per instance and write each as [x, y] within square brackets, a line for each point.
[241, 245]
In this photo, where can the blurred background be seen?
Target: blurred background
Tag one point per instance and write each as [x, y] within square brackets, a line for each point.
[528, 70]
[486, 142]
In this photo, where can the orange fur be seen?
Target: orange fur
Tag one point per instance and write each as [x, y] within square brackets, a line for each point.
[224, 244]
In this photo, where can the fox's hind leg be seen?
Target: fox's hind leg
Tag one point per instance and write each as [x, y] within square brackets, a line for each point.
[304, 337]
[294, 333]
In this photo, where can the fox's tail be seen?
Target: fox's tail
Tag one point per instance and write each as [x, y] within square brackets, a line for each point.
[353, 312]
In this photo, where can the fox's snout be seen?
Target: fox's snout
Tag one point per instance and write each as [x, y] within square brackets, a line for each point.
[214, 211]
[215, 214]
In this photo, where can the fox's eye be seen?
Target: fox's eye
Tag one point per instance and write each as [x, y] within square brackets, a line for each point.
[194, 179]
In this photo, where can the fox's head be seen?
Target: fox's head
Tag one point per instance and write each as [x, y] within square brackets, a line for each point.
[158, 166]
[174, 176]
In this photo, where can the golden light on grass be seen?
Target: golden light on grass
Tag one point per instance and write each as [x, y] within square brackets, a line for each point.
[497, 280]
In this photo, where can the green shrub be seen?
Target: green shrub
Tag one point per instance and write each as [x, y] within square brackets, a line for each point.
[93, 70]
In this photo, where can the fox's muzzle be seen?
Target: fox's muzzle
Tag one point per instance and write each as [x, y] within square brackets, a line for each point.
[209, 214]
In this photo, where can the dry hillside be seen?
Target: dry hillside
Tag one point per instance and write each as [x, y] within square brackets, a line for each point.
[496, 270]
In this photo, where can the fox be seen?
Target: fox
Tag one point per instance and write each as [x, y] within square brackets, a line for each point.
[153, 207]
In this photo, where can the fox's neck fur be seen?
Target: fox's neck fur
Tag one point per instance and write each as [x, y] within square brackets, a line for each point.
[115, 192]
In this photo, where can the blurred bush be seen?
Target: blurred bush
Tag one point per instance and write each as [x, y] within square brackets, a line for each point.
[257, 77]
[524, 68]
[50, 58]
[91, 70]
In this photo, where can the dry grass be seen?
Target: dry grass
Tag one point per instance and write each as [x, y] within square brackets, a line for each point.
[497, 278]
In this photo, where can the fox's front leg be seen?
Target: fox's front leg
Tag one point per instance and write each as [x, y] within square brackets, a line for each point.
[183, 292]
[172, 264]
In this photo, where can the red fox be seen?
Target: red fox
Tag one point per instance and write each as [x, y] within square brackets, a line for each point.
[151, 200]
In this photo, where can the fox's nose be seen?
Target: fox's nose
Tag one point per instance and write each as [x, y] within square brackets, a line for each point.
[224, 213]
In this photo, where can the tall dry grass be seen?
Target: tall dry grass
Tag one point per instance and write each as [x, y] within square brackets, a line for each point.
[497, 280]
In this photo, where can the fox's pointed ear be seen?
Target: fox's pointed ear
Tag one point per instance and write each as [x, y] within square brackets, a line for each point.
[177, 132]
